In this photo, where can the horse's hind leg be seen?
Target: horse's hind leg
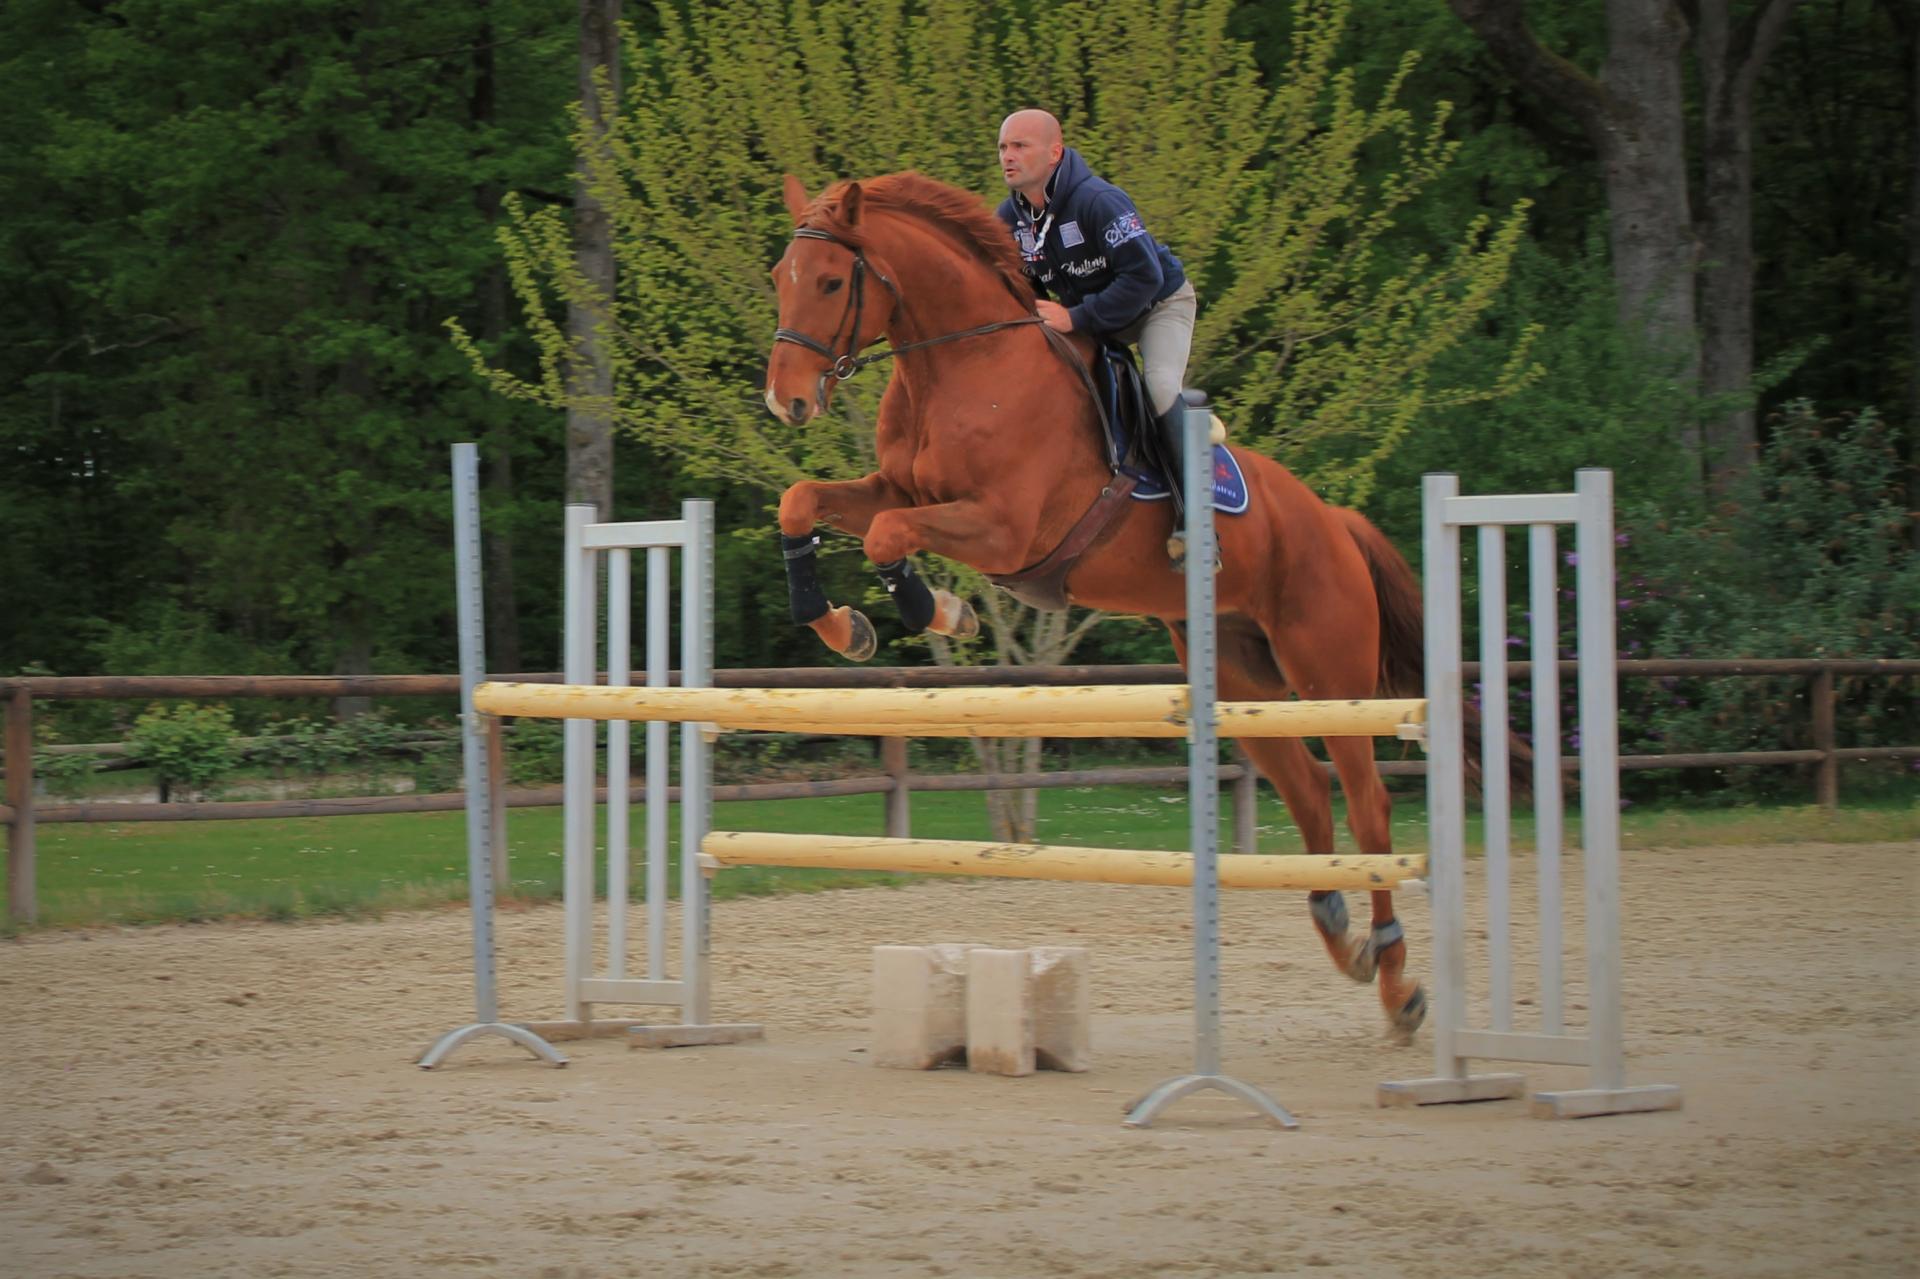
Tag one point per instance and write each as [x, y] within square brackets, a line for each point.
[1303, 784]
[1248, 673]
[1317, 668]
[1369, 817]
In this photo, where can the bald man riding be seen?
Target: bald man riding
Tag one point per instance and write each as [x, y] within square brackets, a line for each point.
[1084, 244]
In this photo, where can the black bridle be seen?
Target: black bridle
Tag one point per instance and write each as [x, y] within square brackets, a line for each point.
[845, 364]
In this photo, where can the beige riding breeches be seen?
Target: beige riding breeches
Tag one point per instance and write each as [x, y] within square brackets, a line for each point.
[1165, 336]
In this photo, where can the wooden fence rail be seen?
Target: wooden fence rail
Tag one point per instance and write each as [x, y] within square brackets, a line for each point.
[20, 815]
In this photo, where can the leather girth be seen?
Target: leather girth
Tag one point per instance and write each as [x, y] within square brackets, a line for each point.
[1044, 585]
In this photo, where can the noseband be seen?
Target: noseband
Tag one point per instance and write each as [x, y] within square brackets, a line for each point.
[846, 364]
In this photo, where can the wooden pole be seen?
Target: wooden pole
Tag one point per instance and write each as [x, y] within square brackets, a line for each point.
[1826, 774]
[22, 898]
[1306, 872]
[893, 757]
[1092, 711]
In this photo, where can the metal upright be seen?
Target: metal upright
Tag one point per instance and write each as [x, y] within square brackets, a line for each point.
[1203, 794]
[473, 749]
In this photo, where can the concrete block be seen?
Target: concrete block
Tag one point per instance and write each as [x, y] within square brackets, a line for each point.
[1000, 1037]
[1062, 1008]
[919, 1006]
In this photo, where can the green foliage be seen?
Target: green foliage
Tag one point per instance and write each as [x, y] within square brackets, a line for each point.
[233, 231]
[535, 752]
[324, 746]
[1811, 557]
[1601, 402]
[188, 747]
[1833, 209]
[61, 771]
[164, 637]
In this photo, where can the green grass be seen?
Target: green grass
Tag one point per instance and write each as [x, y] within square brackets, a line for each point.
[130, 873]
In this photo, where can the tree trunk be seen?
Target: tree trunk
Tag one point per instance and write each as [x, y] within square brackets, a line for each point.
[1635, 115]
[1644, 149]
[1730, 63]
[502, 608]
[1913, 273]
[355, 657]
[1021, 636]
[590, 432]
[354, 541]
[1012, 815]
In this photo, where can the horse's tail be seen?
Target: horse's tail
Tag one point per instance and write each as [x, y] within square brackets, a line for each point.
[1403, 645]
[1403, 640]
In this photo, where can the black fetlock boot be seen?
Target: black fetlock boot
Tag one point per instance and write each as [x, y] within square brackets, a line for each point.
[1172, 426]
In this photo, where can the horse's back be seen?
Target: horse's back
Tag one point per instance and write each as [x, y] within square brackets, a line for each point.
[1301, 527]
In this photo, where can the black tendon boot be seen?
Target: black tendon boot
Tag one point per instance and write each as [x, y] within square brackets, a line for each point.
[1173, 433]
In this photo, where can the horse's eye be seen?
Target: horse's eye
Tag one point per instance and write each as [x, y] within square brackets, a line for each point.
[832, 286]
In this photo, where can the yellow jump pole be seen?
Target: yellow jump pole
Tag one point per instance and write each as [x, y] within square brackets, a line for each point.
[1145, 710]
[1039, 861]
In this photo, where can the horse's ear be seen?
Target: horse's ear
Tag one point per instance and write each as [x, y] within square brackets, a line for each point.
[796, 197]
[850, 205]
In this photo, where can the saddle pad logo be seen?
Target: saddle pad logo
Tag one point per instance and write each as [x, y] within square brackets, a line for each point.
[1229, 485]
[1070, 236]
[1123, 228]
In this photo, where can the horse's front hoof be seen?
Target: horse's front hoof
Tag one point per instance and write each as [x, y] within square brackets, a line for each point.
[847, 632]
[861, 641]
[1363, 961]
[953, 617]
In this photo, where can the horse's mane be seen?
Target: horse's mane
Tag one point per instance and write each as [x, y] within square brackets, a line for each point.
[961, 215]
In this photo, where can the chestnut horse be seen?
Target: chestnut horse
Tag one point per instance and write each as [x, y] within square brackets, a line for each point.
[989, 453]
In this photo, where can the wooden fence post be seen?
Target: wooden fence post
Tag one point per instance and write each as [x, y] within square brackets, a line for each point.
[893, 758]
[1826, 775]
[22, 901]
[1246, 803]
[497, 802]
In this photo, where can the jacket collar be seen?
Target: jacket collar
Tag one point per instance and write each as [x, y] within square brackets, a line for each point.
[1066, 175]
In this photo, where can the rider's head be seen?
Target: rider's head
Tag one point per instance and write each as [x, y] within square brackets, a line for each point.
[1030, 147]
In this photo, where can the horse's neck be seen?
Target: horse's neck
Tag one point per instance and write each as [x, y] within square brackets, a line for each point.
[942, 289]
[946, 291]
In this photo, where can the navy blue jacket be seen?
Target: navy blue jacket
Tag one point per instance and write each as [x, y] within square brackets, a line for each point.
[1089, 249]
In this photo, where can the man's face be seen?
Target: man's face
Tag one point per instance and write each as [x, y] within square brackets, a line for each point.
[1027, 156]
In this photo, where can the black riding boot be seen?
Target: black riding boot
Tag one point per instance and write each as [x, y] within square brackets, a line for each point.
[1172, 426]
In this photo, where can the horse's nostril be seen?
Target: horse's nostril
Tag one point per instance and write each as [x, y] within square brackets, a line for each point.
[798, 408]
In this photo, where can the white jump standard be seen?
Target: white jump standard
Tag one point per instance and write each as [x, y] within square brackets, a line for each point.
[1456, 1039]
[584, 987]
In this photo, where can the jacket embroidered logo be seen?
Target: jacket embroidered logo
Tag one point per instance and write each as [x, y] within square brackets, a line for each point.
[1123, 228]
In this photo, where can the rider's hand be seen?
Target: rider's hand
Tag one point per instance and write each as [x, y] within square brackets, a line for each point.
[1055, 315]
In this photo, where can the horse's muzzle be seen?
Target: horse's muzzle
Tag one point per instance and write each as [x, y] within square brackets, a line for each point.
[794, 411]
